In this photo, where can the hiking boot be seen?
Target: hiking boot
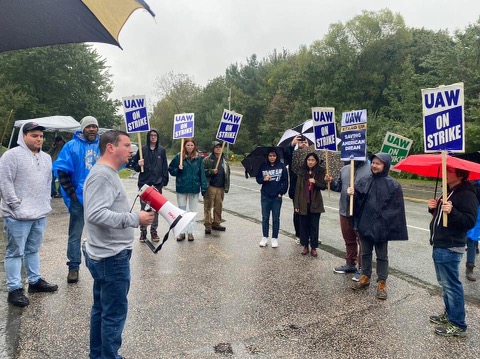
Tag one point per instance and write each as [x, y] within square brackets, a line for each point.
[450, 330]
[143, 236]
[42, 286]
[219, 228]
[305, 251]
[17, 298]
[381, 290]
[208, 230]
[263, 242]
[469, 273]
[363, 283]
[190, 237]
[357, 275]
[347, 268]
[274, 243]
[314, 252]
[181, 237]
[441, 319]
[154, 236]
[72, 276]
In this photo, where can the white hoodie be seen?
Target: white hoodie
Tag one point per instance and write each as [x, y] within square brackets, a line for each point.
[25, 181]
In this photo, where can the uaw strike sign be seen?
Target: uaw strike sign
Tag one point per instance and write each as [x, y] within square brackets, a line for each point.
[229, 126]
[443, 118]
[183, 125]
[397, 146]
[354, 136]
[136, 119]
[324, 128]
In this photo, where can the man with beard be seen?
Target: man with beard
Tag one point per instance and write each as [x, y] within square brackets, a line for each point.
[72, 168]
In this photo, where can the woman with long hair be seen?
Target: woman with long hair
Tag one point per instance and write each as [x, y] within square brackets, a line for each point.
[190, 181]
[308, 201]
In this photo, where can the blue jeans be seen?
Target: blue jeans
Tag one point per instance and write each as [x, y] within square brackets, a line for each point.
[271, 205]
[192, 206]
[24, 239]
[75, 229]
[471, 251]
[111, 283]
[447, 270]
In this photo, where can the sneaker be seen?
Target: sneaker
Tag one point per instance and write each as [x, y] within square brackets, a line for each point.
[347, 268]
[450, 330]
[219, 228]
[208, 230]
[17, 298]
[181, 237]
[190, 237]
[357, 275]
[297, 241]
[305, 251]
[155, 237]
[469, 273]
[314, 252]
[274, 243]
[263, 242]
[72, 276]
[42, 286]
[363, 283]
[143, 237]
[381, 290]
[441, 319]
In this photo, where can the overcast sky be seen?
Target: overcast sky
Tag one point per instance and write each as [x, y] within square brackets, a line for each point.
[202, 38]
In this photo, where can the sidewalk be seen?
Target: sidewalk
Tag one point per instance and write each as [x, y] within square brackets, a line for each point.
[224, 296]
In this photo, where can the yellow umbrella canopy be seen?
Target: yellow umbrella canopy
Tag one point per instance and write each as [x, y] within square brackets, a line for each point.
[25, 23]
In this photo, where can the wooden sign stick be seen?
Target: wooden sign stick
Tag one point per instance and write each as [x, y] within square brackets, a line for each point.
[139, 140]
[181, 152]
[220, 157]
[444, 186]
[352, 182]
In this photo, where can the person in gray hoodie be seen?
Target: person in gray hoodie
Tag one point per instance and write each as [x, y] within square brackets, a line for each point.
[25, 190]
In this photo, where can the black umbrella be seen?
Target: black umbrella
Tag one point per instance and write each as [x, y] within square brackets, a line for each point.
[26, 23]
[258, 157]
[305, 129]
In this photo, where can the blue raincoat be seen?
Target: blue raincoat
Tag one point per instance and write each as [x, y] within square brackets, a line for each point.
[77, 158]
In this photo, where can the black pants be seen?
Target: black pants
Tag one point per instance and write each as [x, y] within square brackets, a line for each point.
[309, 228]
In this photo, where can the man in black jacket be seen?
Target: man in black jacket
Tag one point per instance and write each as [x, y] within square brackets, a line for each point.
[155, 173]
[379, 217]
[448, 247]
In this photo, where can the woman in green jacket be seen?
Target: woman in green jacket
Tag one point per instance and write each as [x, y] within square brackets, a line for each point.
[190, 181]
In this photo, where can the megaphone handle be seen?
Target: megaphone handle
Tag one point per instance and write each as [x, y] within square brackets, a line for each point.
[165, 237]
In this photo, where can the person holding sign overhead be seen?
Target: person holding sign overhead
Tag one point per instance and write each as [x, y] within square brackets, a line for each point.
[273, 177]
[379, 217]
[190, 180]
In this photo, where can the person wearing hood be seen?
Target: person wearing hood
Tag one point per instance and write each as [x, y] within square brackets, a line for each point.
[448, 243]
[25, 192]
[378, 217]
[155, 173]
[273, 177]
[218, 179]
[72, 167]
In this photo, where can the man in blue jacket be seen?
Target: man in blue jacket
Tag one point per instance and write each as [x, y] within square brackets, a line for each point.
[72, 168]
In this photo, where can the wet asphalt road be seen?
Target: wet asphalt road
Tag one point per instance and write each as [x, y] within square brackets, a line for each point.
[223, 296]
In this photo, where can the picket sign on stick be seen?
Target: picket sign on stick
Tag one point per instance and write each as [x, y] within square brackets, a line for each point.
[328, 171]
[352, 182]
[140, 156]
[444, 186]
[221, 155]
[181, 151]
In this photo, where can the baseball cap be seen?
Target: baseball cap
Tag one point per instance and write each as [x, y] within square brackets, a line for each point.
[31, 126]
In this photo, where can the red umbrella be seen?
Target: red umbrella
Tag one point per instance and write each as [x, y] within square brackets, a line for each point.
[430, 165]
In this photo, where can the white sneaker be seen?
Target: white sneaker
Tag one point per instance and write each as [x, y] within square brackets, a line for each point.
[297, 241]
[263, 242]
[274, 243]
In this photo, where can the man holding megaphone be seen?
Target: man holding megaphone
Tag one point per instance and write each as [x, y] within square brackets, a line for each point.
[109, 226]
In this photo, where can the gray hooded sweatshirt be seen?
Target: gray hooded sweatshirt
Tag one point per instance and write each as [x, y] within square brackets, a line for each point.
[25, 180]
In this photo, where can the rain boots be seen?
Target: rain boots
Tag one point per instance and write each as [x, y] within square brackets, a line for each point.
[469, 272]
